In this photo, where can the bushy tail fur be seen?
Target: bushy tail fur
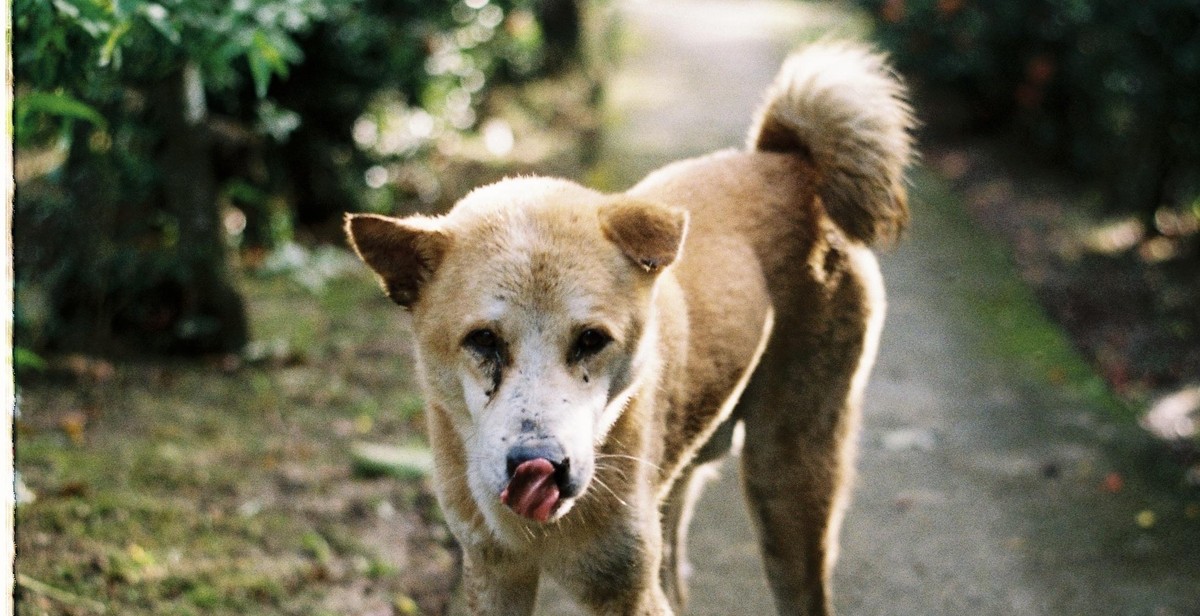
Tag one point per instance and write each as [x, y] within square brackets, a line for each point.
[845, 109]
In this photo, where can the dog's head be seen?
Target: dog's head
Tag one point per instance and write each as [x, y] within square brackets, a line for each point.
[532, 305]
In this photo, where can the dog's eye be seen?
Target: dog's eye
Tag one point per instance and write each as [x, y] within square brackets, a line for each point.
[589, 342]
[483, 341]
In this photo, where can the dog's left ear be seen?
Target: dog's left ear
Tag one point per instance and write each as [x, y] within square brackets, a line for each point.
[404, 252]
[650, 234]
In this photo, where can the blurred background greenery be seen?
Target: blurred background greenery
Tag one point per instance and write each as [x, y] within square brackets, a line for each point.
[158, 140]
[1090, 114]
[1103, 88]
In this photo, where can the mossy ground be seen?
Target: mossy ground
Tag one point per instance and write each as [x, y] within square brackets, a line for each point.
[226, 487]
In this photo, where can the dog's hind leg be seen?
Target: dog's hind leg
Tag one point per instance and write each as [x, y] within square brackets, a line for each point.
[796, 493]
[797, 469]
[801, 413]
[676, 517]
[680, 503]
[676, 514]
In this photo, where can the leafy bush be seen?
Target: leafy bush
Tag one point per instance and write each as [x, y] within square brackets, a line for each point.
[127, 238]
[1106, 86]
[183, 125]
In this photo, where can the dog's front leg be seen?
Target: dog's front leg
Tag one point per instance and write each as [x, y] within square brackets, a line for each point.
[617, 574]
[499, 584]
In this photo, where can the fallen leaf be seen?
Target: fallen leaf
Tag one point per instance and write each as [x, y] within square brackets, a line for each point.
[139, 555]
[405, 605]
[24, 495]
[1113, 483]
[73, 489]
[908, 439]
[88, 368]
[73, 424]
[102, 371]
[230, 363]
[363, 423]
[373, 460]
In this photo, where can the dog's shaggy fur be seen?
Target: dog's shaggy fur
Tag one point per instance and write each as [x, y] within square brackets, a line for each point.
[583, 356]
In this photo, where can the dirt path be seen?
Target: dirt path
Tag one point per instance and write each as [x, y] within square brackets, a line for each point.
[990, 482]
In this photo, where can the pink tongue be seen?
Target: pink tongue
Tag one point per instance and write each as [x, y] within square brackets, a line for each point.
[532, 492]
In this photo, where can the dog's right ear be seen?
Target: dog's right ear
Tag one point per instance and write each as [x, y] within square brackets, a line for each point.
[403, 252]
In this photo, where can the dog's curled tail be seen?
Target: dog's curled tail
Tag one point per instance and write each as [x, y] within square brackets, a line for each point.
[845, 109]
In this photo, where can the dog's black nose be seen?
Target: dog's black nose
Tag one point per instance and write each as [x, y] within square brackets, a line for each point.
[552, 453]
[549, 451]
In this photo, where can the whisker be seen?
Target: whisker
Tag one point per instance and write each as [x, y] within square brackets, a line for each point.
[616, 471]
[614, 494]
[628, 457]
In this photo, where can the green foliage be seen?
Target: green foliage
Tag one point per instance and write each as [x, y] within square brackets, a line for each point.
[55, 104]
[1107, 86]
[68, 51]
[124, 240]
[24, 359]
[187, 127]
[384, 61]
[74, 57]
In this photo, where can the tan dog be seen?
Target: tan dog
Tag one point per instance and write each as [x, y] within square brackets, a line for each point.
[583, 354]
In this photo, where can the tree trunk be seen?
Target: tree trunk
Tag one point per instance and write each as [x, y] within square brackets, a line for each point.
[211, 316]
[135, 258]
